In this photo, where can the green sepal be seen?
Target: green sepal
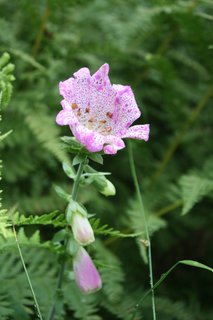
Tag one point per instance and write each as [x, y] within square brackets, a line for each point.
[61, 193]
[71, 144]
[69, 170]
[72, 247]
[74, 208]
[79, 158]
[101, 183]
[96, 157]
[59, 236]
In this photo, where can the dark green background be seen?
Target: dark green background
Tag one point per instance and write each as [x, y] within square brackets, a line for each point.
[164, 50]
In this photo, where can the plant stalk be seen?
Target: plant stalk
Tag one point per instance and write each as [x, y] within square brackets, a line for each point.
[27, 275]
[135, 179]
[63, 265]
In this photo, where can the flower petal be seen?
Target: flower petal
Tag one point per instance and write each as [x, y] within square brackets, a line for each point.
[100, 78]
[99, 114]
[64, 117]
[66, 89]
[138, 132]
[82, 73]
[81, 87]
[92, 140]
[126, 109]
[102, 95]
[85, 272]
[113, 144]
[82, 230]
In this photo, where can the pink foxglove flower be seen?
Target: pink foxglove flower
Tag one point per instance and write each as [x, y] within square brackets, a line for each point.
[82, 230]
[85, 272]
[98, 113]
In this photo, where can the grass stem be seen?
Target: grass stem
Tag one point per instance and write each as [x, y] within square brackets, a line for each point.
[140, 200]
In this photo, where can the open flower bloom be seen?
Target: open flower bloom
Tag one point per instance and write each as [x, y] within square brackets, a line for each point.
[85, 272]
[99, 114]
[82, 230]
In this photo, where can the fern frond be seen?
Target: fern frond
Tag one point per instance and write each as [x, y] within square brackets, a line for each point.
[190, 63]
[47, 133]
[168, 308]
[123, 308]
[83, 306]
[6, 77]
[7, 242]
[14, 291]
[108, 231]
[54, 218]
[109, 263]
[134, 217]
[194, 188]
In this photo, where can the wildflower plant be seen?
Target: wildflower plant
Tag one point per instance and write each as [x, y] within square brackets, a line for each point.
[100, 116]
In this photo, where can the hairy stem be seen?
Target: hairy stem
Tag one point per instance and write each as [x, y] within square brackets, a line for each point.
[63, 265]
[135, 179]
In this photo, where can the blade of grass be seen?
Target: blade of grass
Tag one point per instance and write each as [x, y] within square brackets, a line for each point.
[191, 263]
[140, 200]
[27, 275]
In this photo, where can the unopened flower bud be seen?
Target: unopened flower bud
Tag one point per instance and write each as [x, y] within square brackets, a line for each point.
[85, 272]
[102, 184]
[108, 189]
[82, 230]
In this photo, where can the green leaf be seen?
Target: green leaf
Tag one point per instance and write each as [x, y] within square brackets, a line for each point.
[191, 263]
[193, 190]
[196, 264]
[3, 136]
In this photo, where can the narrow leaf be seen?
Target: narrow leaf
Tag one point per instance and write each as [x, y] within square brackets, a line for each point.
[196, 264]
[3, 136]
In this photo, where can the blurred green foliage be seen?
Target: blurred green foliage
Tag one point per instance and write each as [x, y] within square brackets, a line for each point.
[163, 49]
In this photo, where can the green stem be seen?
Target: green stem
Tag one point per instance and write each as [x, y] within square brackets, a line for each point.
[27, 275]
[63, 265]
[41, 30]
[135, 179]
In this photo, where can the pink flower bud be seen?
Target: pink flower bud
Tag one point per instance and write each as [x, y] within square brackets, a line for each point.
[86, 274]
[82, 230]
